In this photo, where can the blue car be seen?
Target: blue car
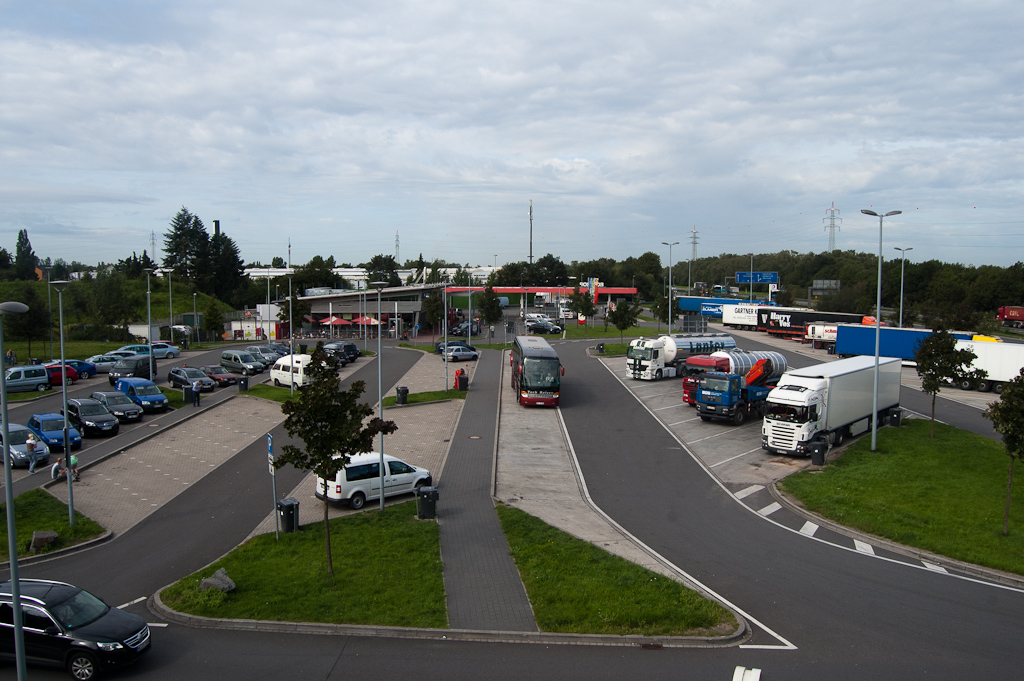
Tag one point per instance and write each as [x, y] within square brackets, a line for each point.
[142, 392]
[49, 428]
[84, 369]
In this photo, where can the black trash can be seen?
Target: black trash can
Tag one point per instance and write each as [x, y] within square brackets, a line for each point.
[187, 394]
[401, 395]
[302, 349]
[427, 498]
[463, 382]
[243, 384]
[895, 417]
[818, 454]
[288, 511]
[600, 348]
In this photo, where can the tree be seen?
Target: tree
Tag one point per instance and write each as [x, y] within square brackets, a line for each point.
[939, 362]
[330, 423]
[32, 323]
[383, 268]
[1007, 416]
[490, 308]
[187, 249]
[24, 259]
[623, 317]
[278, 262]
[582, 302]
[213, 320]
[225, 279]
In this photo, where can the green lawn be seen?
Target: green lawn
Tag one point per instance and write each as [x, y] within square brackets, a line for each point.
[576, 587]
[945, 495]
[38, 510]
[387, 572]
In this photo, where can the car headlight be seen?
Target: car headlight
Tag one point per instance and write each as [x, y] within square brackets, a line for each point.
[110, 647]
[91, 424]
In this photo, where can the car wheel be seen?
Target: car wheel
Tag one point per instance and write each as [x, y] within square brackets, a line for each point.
[357, 501]
[82, 666]
[68, 380]
[42, 386]
[277, 383]
[84, 375]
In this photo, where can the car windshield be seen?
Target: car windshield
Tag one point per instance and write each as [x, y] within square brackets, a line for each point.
[194, 373]
[118, 399]
[246, 358]
[215, 370]
[81, 609]
[93, 409]
[148, 390]
[51, 425]
[18, 437]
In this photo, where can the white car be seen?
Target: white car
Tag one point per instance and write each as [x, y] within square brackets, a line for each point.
[359, 481]
[457, 353]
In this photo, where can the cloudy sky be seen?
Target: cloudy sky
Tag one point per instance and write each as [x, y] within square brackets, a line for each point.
[339, 124]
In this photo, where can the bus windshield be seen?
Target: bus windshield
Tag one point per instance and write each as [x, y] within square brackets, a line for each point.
[541, 373]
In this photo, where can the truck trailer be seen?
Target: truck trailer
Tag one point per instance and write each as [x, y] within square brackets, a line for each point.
[651, 359]
[728, 362]
[1001, 361]
[822, 405]
[856, 339]
[1011, 315]
[792, 322]
[741, 316]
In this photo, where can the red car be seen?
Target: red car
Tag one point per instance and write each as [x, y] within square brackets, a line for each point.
[55, 373]
[219, 374]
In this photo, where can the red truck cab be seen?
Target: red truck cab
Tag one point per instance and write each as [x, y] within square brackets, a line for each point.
[695, 366]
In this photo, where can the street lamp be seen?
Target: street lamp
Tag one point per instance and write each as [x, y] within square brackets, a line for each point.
[195, 317]
[170, 309]
[670, 310]
[49, 309]
[878, 325]
[7, 308]
[149, 321]
[380, 389]
[60, 286]
[903, 261]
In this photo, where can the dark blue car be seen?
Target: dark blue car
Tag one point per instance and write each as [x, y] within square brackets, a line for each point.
[50, 429]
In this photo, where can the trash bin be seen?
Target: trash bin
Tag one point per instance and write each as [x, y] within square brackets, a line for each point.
[401, 395]
[895, 418]
[243, 384]
[302, 349]
[463, 381]
[188, 394]
[818, 454]
[288, 510]
[600, 348]
[427, 502]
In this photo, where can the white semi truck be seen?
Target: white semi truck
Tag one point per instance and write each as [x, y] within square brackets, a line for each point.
[652, 359]
[1002, 362]
[822, 405]
[742, 316]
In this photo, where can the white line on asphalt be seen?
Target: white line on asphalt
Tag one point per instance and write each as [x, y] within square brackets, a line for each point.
[809, 529]
[770, 508]
[744, 493]
[710, 437]
[671, 406]
[130, 603]
[934, 568]
[735, 457]
[679, 423]
[863, 548]
[674, 392]
[156, 624]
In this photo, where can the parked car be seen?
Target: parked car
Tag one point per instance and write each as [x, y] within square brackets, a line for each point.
[239, 361]
[143, 392]
[281, 348]
[344, 349]
[49, 428]
[264, 354]
[122, 353]
[463, 329]
[542, 326]
[91, 417]
[136, 349]
[119, 405]
[219, 374]
[453, 343]
[64, 626]
[163, 350]
[354, 483]
[57, 376]
[337, 351]
[136, 366]
[459, 354]
[28, 377]
[185, 377]
[103, 363]
[19, 455]
[84, 369]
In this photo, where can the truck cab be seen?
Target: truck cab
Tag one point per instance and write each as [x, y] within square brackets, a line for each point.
[728, 397]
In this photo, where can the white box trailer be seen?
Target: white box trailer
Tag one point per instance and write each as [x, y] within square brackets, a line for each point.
[823, 404]
[740, 316]
[1002, 361]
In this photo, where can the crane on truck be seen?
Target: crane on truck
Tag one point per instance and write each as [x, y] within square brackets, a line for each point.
[733, 397]
[731, 362]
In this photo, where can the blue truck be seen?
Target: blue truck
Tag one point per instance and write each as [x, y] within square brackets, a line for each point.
[855, 339]
[733, 397]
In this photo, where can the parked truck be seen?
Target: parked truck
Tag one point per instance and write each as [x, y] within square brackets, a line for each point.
[792, 322]
[856, 339]
[822, 405]
[822, 336]
[1011, 316]
[734, 397]
[651, 359]
[742, 316]
[731, 362]
[1001, 361]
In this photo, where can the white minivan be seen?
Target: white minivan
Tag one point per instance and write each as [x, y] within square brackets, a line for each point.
[359, 481]
[291, 369]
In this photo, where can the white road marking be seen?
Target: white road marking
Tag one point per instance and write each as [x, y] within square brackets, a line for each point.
[130, 603]
[679, 423]
[863, 548]
[933, 567]
[735, 457]
[710, 437]
[770, 508]
[809, 529]
[744, 493]
[744, 674]
[672, 406]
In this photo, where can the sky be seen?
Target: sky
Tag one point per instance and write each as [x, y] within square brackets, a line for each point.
[343, 127]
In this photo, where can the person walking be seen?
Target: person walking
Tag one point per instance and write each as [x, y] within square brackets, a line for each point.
[196, 387]
[73, 467]
[31, 445]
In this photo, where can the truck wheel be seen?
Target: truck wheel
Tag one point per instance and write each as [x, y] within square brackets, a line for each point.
[965, 384]
[705, 418]
[984, 386]
[657, 375]
[998, 388]
[817, 345]
[740, 416]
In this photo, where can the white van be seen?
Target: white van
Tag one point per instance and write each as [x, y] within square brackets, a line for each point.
[359, 481]
[291, 369]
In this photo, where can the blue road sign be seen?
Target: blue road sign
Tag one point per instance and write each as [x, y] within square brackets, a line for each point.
[759, 277]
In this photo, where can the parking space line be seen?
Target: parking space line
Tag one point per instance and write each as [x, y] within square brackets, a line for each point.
[863, 547]
[671, 406]
[131, 603]
[770, 508]
[933, 567]
[809, 529]
[709, 437]
[731, 458]
[679, 423]
[744, 493]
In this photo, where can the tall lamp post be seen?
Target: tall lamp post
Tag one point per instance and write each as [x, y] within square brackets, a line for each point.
[49, 309]
[7, 308]
[670, 310]
[380, 389]
[195, 317]
[903, 261]
[60, 286]
[149, 321]
[878, 325]
[170, 309]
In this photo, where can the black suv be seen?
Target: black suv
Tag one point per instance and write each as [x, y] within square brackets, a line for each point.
[345, 351]
[136, 366]
[65, 626]
[119, 405]
[92, 418]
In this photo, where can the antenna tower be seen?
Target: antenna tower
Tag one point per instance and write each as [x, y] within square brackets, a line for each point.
[397, 260]
[531, 231]
[832, 226]
[152, 246]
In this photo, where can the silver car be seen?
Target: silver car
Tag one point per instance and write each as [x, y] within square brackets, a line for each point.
[19, 455]
[103, 362]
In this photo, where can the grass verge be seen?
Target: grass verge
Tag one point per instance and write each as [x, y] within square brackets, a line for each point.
[946, 495]
[576, 587]
[429, 396]
[38, 510]
[387, 572]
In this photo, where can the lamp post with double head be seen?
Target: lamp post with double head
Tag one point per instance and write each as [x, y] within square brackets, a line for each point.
[380, 389]
[49, 309]
[149, 319]
[195, 317]
[878, 325]
[60, 286]
[670, 310]
[903, 261]
[7, 308]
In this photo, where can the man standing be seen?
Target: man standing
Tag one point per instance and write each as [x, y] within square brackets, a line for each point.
[196, 387]
[30, 451]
